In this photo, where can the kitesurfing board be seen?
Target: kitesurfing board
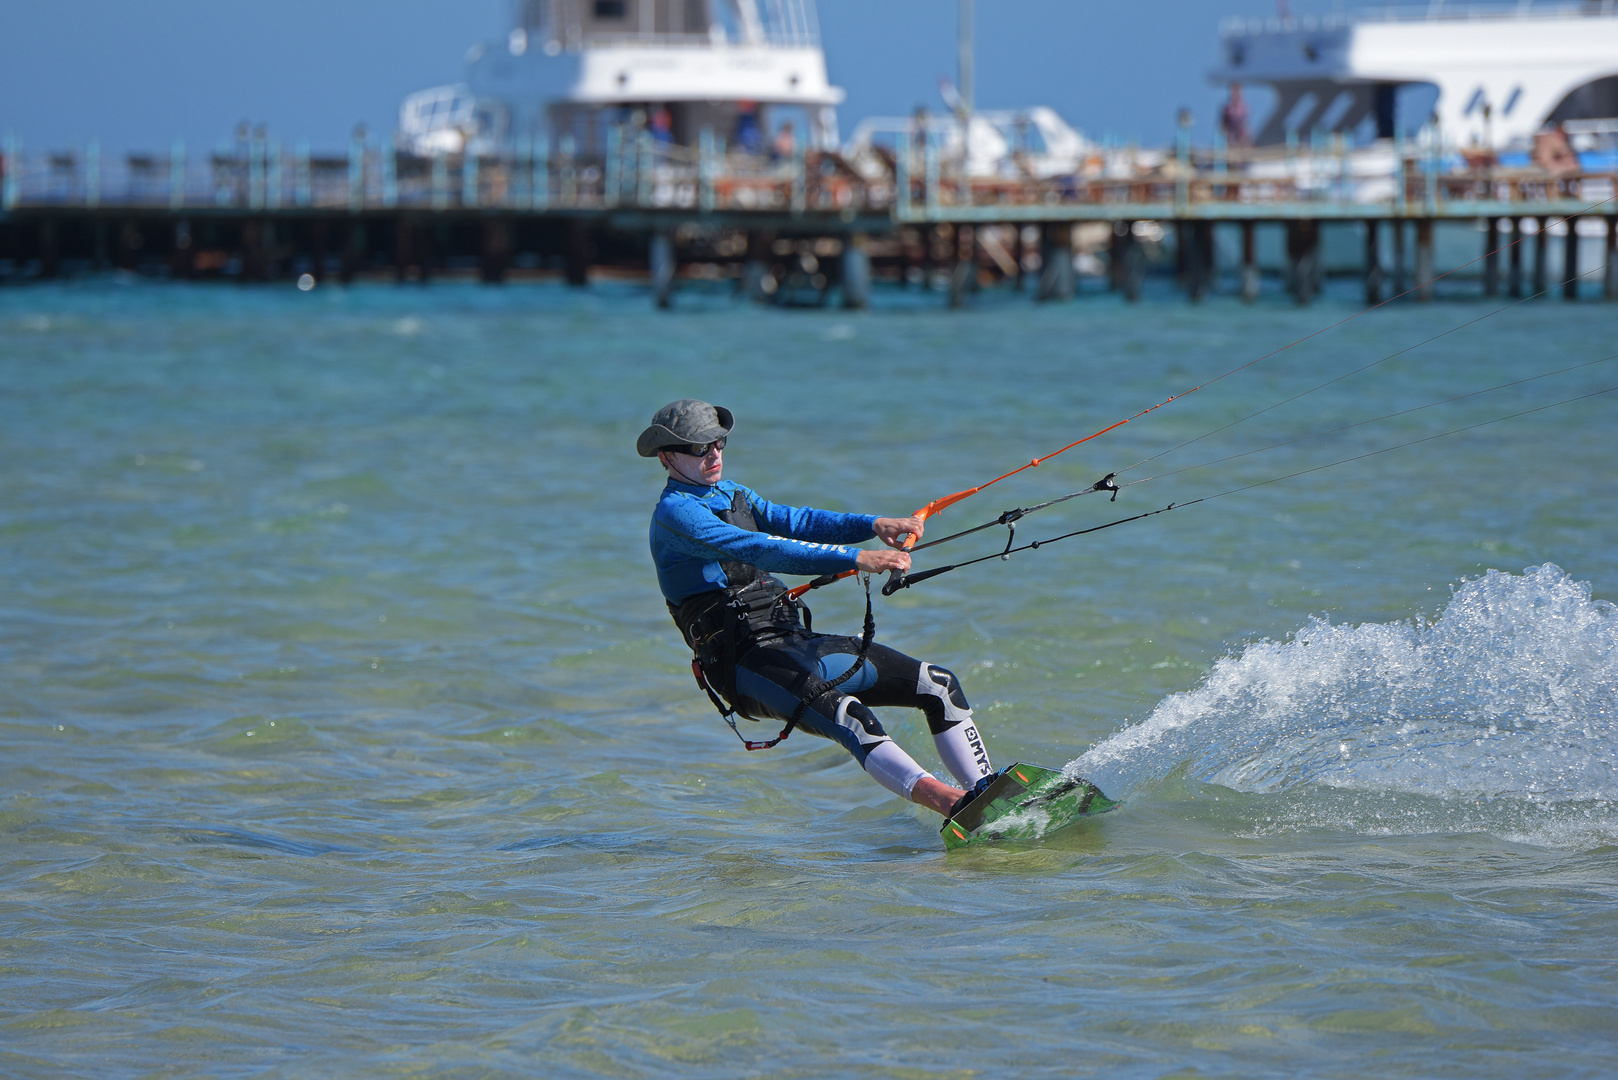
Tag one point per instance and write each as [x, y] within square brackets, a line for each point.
[1024, 802]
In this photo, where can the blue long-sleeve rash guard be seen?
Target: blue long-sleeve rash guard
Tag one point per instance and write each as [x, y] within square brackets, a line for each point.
[689, 539]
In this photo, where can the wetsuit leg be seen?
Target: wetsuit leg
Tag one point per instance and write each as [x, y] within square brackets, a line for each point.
[936, 691]
[771, 679]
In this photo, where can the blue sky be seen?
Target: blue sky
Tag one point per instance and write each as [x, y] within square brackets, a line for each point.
[138, 75]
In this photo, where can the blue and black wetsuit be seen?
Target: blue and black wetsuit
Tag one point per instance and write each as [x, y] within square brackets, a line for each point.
[715, 548]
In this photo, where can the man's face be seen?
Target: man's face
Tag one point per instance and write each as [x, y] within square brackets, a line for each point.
[704, 471]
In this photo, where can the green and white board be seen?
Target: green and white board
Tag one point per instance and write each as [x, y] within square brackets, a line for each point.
[1025, 802]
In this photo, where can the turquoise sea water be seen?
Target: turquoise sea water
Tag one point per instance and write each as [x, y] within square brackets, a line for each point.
[343, 732]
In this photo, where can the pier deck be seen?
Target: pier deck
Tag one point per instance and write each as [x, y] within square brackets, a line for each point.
[810, 222]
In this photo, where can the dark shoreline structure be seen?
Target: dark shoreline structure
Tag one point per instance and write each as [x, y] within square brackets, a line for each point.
[806, 229]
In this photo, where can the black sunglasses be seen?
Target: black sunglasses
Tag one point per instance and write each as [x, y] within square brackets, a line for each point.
[696, 449]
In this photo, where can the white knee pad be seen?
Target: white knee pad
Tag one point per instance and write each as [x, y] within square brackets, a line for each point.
[862, 732]
[959, 744]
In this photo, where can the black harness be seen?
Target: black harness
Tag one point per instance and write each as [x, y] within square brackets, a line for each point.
[754, 609]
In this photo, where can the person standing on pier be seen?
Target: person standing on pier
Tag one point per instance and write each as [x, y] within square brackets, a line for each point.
[715, 544]
[1233, 120]
[785, 142]
[749, 136]
[662, 126]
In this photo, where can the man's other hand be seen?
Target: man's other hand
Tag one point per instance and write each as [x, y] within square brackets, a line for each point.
[893, 531]
[877, 562]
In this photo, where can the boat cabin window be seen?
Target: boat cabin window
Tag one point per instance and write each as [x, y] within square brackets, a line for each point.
[1594, 100]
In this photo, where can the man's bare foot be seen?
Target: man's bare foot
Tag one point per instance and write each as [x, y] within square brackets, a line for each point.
[935, 795]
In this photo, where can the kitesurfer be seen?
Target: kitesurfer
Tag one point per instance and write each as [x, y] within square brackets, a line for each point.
[716, 544]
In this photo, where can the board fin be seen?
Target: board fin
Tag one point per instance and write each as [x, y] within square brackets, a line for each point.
[1024, 802]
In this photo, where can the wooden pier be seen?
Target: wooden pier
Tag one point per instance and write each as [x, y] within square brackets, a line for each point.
[801, 229]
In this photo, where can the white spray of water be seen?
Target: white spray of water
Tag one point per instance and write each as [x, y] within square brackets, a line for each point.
[1510, 695]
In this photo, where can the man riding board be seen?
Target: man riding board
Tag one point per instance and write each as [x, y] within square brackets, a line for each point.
[716, 543]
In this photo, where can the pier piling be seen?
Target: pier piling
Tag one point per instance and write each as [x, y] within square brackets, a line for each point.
[856, 273]
[127, 246]
[1055, 261]
[352, 254]
[1128, 261]
[182, 263]
[1182, 252]
[1250, 271]
[577, 259]
[319, 241]
[1303, 249]
[411, 250]
[428, 244]
[1197, 258]
[963, 274]
[254, 263]
[660, 261]
[1570, 261]
[49, 251]
[1609, 289]
[757, 266]
[495, 256]
[98, 260]
[1542, 256]
[1118, 245]
[1424, 259]
[401, 250]
[1514, 261]
[1401, 279]
[1491, 258]
[1373, 262]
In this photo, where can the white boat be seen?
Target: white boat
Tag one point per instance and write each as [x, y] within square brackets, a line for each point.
[572, 68]
[1490, 76]
[1031, 143]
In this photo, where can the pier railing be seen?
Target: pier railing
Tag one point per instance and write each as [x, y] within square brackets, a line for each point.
[912, 184]
[633, 172]
[1390, 179]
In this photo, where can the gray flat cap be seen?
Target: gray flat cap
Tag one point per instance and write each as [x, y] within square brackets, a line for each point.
[685, 421]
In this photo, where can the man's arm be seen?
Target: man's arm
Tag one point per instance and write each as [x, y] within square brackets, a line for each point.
[829, 526]
[695, 531]
[807, 523]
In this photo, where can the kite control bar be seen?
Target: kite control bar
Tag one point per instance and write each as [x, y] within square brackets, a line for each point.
[907, 580]
[897, 579]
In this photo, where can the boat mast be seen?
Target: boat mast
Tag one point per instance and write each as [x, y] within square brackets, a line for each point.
[964, 49]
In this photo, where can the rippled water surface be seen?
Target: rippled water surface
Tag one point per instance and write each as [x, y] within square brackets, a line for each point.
[343, 732]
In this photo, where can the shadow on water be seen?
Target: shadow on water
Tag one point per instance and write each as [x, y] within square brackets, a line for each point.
[627, 843]
[260, 841]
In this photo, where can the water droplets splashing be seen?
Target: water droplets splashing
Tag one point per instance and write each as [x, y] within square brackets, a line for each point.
[1508, 698]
